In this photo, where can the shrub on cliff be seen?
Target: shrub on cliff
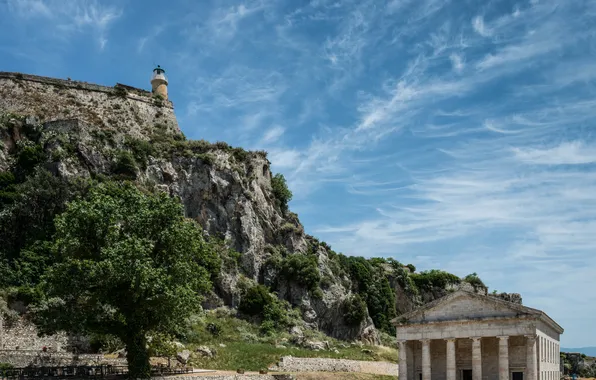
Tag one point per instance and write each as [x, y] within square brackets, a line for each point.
[434, 278]
[125, 165]
[129, 264]
[474, 280]
[354, 309]
[301, 269]
[281, 192]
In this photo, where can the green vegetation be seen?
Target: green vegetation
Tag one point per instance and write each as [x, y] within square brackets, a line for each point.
[434, 278]
[129, 264]
[28, 158]
[354, 310]
[255, 300]
[125, 166]
[370, 281]
[240, 336]
[302, 270]
[281, 192]
[475, 281]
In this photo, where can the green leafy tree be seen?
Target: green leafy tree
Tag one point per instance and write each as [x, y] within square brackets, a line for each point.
[27, 224]
[281, 192]
[128, 264]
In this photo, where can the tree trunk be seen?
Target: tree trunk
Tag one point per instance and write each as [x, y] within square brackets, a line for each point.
[137, 356]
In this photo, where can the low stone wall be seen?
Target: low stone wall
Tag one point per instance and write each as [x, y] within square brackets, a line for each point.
[23, 358]
[228, 377]
[292, 364]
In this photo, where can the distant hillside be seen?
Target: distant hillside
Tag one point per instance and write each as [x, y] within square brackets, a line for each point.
[589, 351]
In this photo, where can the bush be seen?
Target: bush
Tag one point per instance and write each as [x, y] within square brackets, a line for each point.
[267, 327]
[125, 165]
[30, 156]
[354, 309]
[281, 192]
[214, 329]
[254, 301]
[474, 280]
[434, 279]
[141, 149]
[302, 269]
[411, 267]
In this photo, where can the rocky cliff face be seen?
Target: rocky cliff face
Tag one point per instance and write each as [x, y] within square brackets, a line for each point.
[86, 132]
[83, 130]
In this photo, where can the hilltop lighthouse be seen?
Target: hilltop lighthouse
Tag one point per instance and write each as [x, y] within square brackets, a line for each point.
[159, 82]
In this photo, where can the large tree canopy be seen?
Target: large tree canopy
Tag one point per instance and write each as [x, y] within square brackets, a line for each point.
[128, 264]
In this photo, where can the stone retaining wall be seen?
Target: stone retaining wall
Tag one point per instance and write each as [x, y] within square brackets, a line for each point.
[228, 377]
[292, 364]
[22, 358]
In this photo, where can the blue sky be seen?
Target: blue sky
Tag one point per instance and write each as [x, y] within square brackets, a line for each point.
[449, 134]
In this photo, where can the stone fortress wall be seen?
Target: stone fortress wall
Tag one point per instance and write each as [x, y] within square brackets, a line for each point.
[118, 108]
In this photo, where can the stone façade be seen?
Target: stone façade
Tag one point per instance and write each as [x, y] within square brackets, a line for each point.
[488, 336]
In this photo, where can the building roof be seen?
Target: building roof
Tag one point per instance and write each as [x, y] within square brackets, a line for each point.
[403, 319]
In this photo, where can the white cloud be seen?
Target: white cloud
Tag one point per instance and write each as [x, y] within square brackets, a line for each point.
[571, 153]
[479, 27]
[284, 159]
[273, 134]
[66, 18]
[457, 62]
[224, 22]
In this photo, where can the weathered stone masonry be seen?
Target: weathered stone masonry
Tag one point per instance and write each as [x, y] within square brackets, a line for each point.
[118, 108]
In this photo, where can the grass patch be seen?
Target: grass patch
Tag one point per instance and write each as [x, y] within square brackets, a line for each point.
[257, 356]
[246, 348]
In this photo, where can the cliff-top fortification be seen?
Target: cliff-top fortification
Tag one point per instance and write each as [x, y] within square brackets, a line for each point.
[120, 108]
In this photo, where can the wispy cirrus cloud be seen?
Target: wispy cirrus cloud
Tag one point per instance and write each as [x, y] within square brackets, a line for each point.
[67, 18]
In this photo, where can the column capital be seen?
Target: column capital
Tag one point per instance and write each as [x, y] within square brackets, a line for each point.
[503, 337]
[475, 338]
[425, 340]
[531, 337]
[450, 339]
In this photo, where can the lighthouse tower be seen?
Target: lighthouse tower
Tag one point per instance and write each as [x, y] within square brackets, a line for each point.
[159, 82]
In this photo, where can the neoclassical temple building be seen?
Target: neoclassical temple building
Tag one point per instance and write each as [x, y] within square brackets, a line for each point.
[471, 336]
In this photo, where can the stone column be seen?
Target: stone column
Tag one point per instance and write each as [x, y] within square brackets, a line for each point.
[403, 360]
[426, 359]
[531, 359]
[503, 357]
[451, 359]
[410, 361]
[476, 359]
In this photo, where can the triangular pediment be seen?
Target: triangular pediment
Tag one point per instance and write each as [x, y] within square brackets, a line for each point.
[464, 305]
